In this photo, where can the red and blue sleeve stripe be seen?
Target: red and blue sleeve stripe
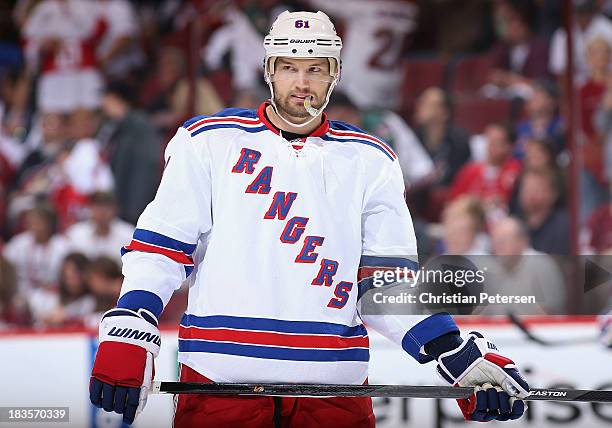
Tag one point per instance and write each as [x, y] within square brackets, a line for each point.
[369, 265]
[148, 241]
[273, 338]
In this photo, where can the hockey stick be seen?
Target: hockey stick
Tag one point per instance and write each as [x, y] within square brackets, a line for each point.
[514, 319]
[318, 390]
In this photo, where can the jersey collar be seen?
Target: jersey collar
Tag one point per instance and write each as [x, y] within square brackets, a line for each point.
[321, 130]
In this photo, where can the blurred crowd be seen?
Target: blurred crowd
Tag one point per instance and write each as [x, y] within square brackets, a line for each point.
[471, 95]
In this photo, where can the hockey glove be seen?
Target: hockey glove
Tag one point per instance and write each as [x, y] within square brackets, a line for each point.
[499, 388]
[123, 369]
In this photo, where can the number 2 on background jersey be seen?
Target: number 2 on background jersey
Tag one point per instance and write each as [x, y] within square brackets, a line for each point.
[389, 50]
[300, 23]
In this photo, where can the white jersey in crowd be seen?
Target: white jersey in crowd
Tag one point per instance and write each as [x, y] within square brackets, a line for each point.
[69, 76]
[375, 34]
[83, 238]
[277, 244]
[240, 38]
[37, 264]
[38, 267]
[600, 26]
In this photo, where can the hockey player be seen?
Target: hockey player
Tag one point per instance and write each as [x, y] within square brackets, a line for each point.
[278, 219]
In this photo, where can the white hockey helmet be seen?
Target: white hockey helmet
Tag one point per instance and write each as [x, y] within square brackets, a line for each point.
[303, 35]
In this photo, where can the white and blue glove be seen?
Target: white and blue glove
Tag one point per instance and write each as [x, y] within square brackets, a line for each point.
[499, 387]
[123, 370]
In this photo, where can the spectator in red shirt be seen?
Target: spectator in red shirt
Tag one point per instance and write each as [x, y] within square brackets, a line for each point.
[81, 170]
[491, 180]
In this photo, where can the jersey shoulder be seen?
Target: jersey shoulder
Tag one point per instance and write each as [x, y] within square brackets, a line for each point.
[229, 118]
[345, 132]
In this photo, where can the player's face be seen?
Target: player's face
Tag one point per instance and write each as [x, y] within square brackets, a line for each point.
[294, 79]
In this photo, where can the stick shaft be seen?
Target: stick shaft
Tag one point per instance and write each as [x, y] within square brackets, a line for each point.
[318, 390]
[529, 334]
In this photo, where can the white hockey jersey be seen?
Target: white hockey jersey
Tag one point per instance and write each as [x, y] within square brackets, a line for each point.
[277, 243]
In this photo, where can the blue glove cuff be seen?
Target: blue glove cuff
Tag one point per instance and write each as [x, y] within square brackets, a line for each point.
[424, 332]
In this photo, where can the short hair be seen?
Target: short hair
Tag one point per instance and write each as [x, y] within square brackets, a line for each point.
[526, 10]
[121, 90]
[105, 267]
[340, 99]
[81, 261]
[507, 128]
[597, 38]
[46, 211]
[102, 198]
[471, 206]
[177, 55]
[447, 100]
[551, 175]
[547, 145]
[547, 86]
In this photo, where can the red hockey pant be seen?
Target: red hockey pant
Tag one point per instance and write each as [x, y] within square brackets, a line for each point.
[193, 410]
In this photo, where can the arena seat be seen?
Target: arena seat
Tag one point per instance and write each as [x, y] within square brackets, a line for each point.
[469, 74]
[420, 74]
[473, 114]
